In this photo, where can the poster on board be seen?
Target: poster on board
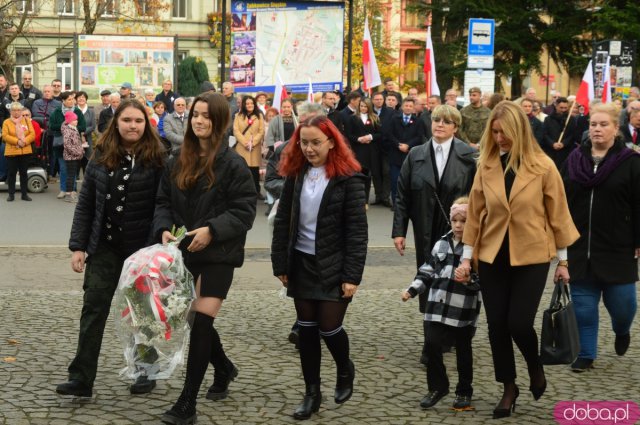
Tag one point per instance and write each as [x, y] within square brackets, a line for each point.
[107, 61]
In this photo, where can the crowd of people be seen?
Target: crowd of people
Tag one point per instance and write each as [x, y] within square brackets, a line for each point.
[498, 192]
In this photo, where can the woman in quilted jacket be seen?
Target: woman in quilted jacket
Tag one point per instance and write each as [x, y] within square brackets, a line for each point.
[319, 248]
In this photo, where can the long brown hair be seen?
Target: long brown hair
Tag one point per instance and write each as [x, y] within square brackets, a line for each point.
[110, 152]
[190, 164]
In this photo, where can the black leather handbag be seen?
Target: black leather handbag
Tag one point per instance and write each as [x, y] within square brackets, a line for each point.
[559, 339]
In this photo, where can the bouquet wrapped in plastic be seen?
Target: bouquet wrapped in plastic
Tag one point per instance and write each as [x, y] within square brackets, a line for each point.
[153, 299]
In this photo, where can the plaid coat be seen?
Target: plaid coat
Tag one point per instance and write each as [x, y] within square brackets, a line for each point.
[449, 302]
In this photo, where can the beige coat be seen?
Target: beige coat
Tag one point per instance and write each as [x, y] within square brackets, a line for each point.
[536, 215]
[249, 144]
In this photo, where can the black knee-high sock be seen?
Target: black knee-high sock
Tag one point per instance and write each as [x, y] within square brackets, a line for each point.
[218, 356]
[199, 354]
[337, 342]
[309, 343]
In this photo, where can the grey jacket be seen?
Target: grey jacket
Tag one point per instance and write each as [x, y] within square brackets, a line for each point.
[174, 129]
[275, 131]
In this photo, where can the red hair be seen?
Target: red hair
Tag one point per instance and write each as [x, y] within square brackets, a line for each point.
[340, 160]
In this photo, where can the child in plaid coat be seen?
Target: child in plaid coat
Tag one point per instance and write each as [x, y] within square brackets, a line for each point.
[451, 314]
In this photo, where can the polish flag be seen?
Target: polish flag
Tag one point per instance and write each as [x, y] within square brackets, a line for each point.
[371, 74]
[280, 93]
[586, 93]
[310, 92]
[606, 89]
[430, 68]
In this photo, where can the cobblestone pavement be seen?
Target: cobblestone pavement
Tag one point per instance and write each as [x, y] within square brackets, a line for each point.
[40, 308]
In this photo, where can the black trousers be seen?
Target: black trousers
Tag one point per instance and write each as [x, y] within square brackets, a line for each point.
[378, 175]
[255, 173]
[17, 164]
[439, 335]
[511, 296]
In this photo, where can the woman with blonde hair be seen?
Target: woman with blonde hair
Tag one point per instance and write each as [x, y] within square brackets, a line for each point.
[518, 221]
[18, 134]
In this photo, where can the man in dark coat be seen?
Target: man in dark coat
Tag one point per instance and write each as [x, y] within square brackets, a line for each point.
[380, 172]
[167, 96]
[558, 148]
[404, 132]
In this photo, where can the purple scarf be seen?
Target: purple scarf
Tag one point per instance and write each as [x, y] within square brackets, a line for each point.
[580, 165]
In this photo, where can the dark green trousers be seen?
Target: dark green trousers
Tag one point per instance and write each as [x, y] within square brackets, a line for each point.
[101, 276]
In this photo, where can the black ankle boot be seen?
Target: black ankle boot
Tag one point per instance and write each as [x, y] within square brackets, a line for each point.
[344, 384]
[221, 379]
[311, 402]
[182, 413]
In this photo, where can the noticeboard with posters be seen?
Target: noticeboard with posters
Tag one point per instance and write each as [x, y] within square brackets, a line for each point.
[300, 41]
[622, 66]
[107, 61]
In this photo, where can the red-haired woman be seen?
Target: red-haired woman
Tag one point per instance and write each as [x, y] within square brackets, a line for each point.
[208, 188]
[319, 248]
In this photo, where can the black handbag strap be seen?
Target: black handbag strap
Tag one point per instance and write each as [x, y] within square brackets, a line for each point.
[561, 295]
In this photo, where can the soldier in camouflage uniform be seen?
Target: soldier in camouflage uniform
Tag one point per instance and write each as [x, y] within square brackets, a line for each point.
[474, 118]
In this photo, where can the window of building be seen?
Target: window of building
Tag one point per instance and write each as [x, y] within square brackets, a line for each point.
[182, 55]
[65, 7]
[109, 9]
[414, 63]
[411, 19]
[179, 8]
[64, 70]
[24, 63]
[25, 6]
[144, 8]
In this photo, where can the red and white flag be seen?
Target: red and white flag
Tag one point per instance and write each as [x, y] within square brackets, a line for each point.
[371, 74]
[586, 91]
[280, 93]
[310, 92]
[606, 75]
[430, 68]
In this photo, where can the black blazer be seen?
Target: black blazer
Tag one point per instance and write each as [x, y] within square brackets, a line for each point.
[398, 132]
[363, 151]
[105, 118]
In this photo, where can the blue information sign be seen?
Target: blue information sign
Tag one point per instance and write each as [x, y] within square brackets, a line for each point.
[481, 34]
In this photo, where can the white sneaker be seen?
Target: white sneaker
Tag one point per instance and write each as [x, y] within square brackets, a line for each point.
[61, 195]
[68, 198]
[74, 196]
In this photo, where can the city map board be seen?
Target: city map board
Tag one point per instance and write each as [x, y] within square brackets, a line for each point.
[300, 41]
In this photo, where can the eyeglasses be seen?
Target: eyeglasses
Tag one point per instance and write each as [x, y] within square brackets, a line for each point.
[446, 121]
[315, 144]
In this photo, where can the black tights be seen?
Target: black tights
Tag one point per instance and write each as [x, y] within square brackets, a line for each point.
[321, 318]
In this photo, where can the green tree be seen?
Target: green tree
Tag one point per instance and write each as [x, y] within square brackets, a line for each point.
[523, 29]
[192, 72]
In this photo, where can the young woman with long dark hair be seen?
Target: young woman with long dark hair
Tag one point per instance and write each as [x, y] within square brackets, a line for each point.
[208, 189]
[249, 129]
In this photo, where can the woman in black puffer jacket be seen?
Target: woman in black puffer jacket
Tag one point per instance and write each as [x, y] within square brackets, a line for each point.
[112, 220]
[207, 188]
[319, 248]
